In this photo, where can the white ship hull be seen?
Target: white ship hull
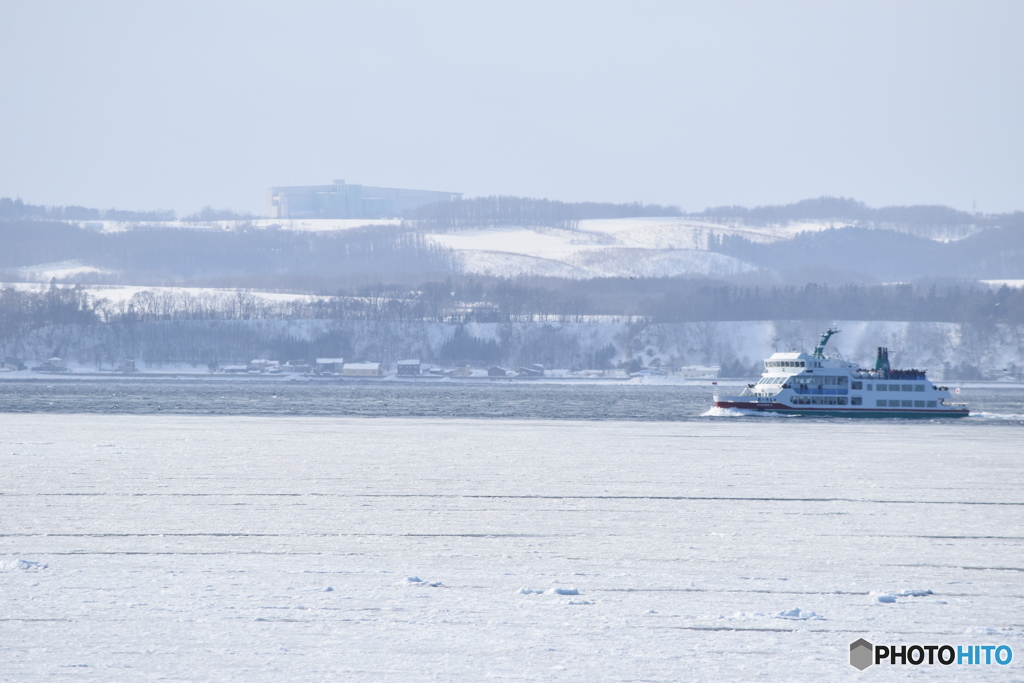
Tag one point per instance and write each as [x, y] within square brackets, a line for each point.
[813, 384]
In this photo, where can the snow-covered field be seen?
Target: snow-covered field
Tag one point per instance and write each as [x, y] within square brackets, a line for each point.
[118, 293]
[616, 247]
[624, 247]
[255, 549]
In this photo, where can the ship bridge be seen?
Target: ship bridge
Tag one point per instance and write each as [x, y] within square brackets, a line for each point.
[788, 361]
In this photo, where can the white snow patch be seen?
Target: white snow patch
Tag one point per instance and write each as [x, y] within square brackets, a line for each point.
[563, 591]
[44, 272]
[118, 293]
[1014, 284]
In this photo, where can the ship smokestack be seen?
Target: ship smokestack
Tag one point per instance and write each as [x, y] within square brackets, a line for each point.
[882, 359]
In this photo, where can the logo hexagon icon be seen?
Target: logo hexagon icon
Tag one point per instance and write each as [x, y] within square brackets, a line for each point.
[862, 654]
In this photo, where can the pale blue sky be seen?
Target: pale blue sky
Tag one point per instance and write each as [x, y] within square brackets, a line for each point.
[146, 105]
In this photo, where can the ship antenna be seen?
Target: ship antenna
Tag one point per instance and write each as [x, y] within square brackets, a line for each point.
[819, 350]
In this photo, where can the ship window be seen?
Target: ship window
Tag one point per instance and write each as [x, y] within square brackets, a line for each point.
[855, 401]
[919, 404]
[856, 385]
[918, 387]
[881, 402]
[801, 364]
[841, 381]
[883, 387]
[894, 404]
[931, 404]
[908, 387]
[842, 400]
[907, 404]
[869, 387]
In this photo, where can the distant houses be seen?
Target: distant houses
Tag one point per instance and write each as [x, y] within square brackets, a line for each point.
[406, 368]
[370, 369]
[296, 367]
[337, 367]
[532, 370]
[329, 366]
[54, 365]
[259, 366]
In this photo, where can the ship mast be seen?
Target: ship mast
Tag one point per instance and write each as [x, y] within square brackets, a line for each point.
[819, 350]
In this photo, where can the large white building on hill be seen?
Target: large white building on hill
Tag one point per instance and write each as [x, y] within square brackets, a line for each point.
[342, 200]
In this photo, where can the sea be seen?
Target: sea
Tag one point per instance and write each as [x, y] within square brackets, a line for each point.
[991, 404]
[251, 530]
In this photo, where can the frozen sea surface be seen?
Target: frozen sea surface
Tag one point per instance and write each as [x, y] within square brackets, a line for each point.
[256, 548]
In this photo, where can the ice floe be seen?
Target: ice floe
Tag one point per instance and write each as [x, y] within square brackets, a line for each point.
[24, 565]
[798, 614]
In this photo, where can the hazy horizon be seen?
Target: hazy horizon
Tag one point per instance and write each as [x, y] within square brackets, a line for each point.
[115, 104]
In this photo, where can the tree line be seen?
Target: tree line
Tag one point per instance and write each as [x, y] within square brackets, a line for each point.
[466, 300]
[17, 209]
[880, 254]
[844, 209]
[226, 258]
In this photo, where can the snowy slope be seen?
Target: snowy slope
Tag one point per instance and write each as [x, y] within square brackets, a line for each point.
[621, 247]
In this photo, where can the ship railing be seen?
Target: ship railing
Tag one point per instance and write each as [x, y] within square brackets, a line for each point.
[891, 374]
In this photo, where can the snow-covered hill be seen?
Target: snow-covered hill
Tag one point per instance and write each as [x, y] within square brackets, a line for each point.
[622, 247]
[643, 247]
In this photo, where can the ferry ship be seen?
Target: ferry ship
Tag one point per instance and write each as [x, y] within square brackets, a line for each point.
[816, 384]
